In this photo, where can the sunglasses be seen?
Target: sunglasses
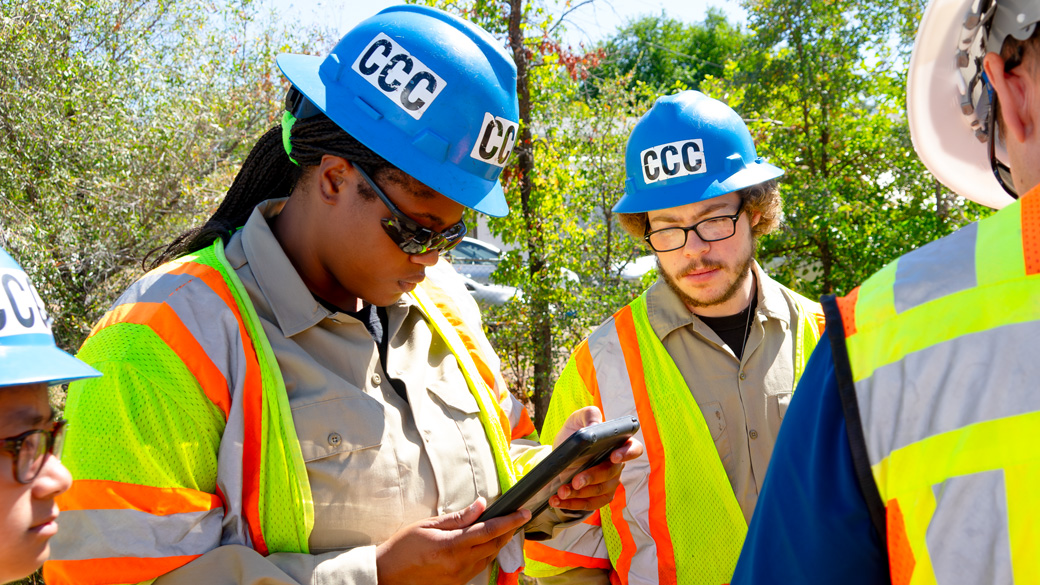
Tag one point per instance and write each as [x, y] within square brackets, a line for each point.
[409, 235]
[32, 448]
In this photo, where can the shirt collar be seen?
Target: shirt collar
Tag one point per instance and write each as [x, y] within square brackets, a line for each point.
[290, 301]
[667, 312]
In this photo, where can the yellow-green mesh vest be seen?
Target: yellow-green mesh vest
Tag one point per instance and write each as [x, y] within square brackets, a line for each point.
[936, 358]
[680, 485]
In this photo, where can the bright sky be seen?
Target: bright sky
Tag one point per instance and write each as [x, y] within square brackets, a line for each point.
[587, 24]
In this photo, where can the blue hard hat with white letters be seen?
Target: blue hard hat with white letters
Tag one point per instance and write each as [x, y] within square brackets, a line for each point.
[689, 148]
[431, 93]
[28, 354]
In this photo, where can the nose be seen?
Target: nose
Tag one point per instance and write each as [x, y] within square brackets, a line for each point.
[54, 479]
[695, 246]
[426, 258]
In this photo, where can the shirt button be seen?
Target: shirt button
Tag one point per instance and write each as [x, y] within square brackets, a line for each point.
[743, 375]
[753, 434]
[334, 439]
[376, 379]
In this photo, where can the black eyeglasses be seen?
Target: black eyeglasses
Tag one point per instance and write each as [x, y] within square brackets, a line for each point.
[409, 235]
[1000, 170]
[712, 229]
[32, 448]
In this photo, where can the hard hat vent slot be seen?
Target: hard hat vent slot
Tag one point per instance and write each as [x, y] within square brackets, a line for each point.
[433, 145]
[368, 108]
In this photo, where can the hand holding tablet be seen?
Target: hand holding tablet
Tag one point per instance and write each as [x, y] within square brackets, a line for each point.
[585, 448]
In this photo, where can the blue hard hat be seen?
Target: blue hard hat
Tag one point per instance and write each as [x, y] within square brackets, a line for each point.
[431, 93]
[688, 148]
[28, 354]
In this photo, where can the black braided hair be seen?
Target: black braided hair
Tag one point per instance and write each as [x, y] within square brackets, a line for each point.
[267, 173]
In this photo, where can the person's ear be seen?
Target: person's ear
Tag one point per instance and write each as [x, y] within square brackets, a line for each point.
[333, 172]
[1014, 91]
[755, 218]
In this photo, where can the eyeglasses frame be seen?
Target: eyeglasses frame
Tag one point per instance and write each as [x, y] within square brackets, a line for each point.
[1001, 171]
[409, 235]
[693, 228]
[13, 445]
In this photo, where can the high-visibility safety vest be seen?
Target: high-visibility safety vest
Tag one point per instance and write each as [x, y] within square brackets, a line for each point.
[936, 361]
[219, 462]
[678, 497]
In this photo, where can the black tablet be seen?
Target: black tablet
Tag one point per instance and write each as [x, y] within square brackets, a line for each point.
[586, 448]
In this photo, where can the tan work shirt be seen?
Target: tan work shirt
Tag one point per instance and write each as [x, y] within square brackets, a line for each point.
[375, 461]
[743, 401]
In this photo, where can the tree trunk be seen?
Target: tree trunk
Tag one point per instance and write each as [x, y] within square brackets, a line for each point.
[541, 327]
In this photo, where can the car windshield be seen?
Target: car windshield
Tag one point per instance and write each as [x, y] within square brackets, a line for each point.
[469, 252]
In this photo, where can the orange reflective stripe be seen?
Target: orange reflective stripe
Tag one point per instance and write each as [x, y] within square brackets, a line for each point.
[558, 558]
[252, 429]
[1031, 232]
[628, 544]
[847, 307]
[587, 372]
[523, 427]
[594, 519]
[505, 578]
[626, 329]
[821, 323]
[112, 570]
[96, 494]
[900, 555]
[163, 320]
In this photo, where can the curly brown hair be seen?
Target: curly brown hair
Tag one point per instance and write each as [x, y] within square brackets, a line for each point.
[763, 198]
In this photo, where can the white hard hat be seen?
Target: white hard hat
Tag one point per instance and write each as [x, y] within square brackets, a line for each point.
[947, 96]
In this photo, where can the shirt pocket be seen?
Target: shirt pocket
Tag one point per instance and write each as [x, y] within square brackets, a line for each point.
[715, 419]
[341, 425]
[783, 399]
[456, 398]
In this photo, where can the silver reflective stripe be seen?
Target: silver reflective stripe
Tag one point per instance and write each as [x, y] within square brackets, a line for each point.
[943, 267]
[97, 534]
[229, 475]
[949, 386]
[615, 389]
[968, 537]
[153, 288]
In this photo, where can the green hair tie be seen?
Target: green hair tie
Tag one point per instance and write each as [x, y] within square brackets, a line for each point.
[287, 123]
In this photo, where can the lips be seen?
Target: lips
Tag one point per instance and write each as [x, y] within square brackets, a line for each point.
[48, 527]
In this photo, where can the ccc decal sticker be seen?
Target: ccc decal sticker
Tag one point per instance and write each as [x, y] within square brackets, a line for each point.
[676, 159]
[496, 140]
[21, 310]
[399, 75]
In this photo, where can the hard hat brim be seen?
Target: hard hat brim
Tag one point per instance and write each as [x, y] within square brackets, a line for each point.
[941, 134]
[32, 364]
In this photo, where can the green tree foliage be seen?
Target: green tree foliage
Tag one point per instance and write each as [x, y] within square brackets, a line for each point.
[122, 123]
[665, 53]
[822, 85]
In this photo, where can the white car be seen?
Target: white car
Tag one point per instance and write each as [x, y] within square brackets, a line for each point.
[635, 269]
[475, 259]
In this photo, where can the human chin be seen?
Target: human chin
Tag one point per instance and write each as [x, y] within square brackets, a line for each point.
[699, 289]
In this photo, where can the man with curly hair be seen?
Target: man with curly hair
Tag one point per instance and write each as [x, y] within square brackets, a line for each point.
[707, 357]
